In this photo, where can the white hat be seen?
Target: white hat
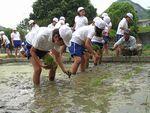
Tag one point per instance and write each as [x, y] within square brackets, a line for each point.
[55, 19]
[31, 22]
[66, 34]
[2, 32]
[107, 19]
[104, 14]
[14, 28]
[80, 8]
[62, 18]
[130, 15]
[67, 24]
[100, 24]
[96, 18]
[59, 24]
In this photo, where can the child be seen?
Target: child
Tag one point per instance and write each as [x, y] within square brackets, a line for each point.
[81, 39]
[106, 33]
[5, 43]
[52, 25]
[80, 19]
[47, 42]
[16, 41]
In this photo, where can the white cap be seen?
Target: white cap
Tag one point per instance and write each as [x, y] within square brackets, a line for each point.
[104, 14]
[55, 19]
[62, 18]
[96, 18]
[14, 28]
[107, 19]
[100, 24]
[130, 15]
[67, 24]
[66, 34]
[31, 22]
[2, 32]
[80, 8]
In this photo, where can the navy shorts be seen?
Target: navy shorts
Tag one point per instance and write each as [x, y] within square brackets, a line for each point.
[118, 37]
[106, 39]
[39, 53]
[100, 45]
[76, 49]
[17, 43]
[8, 46]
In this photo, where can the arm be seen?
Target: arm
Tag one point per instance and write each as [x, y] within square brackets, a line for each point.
[119, 42]
[58, 59]
[3, 42]
[62, 49]
[12, 40]
[88, 45]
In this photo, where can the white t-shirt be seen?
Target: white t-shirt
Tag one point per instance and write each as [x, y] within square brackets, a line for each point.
[123, 23]
[15, 36]
[97, 39]
[43, 40]
[51, 26]
[29, 37]
[6, 39]
[131, 43]
[80, 21]
[81, 34]
[35, 27]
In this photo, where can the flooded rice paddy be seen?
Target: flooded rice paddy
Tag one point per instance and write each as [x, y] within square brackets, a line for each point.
[108, 88]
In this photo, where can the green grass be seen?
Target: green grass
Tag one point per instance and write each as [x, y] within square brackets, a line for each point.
[144, 29]
[132, 73]
[99, 80]
[146, 50]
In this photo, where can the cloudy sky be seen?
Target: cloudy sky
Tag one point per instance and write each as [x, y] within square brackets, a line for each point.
[13, 11]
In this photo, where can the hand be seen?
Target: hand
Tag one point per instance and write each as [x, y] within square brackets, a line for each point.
[96, 56]
[68, 73]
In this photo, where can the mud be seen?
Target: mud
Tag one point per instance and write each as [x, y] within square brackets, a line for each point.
[108, 88]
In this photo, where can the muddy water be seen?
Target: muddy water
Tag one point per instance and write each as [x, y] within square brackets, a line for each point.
[108, 88]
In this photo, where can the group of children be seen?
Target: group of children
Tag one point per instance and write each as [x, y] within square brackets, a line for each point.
[15, 41]
[83, 41]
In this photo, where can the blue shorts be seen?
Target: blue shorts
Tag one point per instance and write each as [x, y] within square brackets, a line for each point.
[17, 43]
[27, 50]
[76, 49]
[106, 39]
[8, 46]
[118, 37]
[39, 53]
[99, 44]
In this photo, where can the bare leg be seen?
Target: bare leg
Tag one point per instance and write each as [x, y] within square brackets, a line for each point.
[106, 49]
[86, 57]
[16, 51]
[8, 52]
[52, 72]
[37, 72]
[83, 64]
[75, 65]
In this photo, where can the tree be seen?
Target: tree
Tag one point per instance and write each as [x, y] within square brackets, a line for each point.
[45, 10]
[118, 10]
